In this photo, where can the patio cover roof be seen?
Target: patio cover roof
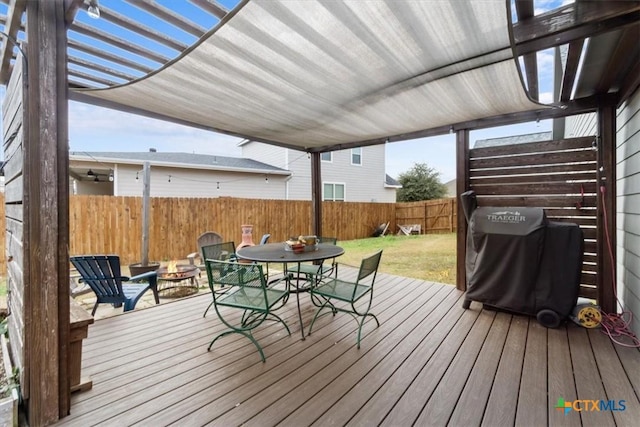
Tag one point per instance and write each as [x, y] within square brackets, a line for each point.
[316, 75]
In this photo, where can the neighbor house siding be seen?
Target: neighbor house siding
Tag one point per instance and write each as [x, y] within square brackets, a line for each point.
[363, 183]
[269, 154]
[628, 207]
[198, 183]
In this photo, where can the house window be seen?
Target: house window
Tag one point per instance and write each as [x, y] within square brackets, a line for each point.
[326, 157]
[333, 192]
[356, 156]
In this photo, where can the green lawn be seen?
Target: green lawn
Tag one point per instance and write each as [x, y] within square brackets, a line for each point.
[430, 257]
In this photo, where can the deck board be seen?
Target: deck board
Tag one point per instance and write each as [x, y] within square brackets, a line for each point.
[532, 408]
[429, 363]
[506, 385]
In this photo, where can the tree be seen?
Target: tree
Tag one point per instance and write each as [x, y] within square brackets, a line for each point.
[420, 183]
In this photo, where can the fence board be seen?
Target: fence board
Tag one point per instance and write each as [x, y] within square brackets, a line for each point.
[109, 224]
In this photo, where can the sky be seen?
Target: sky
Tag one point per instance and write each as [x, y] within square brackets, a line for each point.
[93, 128]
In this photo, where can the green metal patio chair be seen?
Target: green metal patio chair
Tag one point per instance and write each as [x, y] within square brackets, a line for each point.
[103, 275]
[313, 273]
[248, 292]
[225, 251]
[341, 295]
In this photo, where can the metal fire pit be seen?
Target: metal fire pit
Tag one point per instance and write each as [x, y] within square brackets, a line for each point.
[180, 283]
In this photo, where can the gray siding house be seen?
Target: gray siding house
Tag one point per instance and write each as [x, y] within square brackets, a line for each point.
[175, 175]
[354, 175]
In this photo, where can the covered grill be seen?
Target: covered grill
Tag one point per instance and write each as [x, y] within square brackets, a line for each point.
[519, 261]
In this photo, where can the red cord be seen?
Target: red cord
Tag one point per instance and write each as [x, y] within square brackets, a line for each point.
[613, 324]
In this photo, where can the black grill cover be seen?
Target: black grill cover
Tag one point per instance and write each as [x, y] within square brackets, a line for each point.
[519, 261]
[506, 251]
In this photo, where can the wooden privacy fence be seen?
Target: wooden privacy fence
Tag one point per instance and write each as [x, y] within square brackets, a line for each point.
[559, 176]
[109, 224]
[433, 216]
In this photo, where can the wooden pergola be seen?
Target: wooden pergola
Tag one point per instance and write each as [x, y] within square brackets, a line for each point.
[39, 86]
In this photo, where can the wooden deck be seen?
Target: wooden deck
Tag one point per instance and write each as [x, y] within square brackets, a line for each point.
[429, 363]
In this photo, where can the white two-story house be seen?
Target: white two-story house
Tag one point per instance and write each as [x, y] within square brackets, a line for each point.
[353, 175]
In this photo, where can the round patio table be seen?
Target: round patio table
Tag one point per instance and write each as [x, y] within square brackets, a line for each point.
[277, 252]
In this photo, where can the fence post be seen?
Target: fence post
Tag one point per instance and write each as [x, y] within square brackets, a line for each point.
[450, 215]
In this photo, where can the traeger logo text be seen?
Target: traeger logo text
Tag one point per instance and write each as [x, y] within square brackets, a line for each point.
[507, 217]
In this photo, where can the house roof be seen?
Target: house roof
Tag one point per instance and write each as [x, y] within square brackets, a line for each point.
[516, 139]
[185, 160]
[391, 182]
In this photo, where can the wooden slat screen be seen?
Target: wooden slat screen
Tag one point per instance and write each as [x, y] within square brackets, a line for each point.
[559, 176]
[13, 140]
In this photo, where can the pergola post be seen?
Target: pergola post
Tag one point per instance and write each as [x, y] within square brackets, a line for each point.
[606, 220]
[46, 215]
[316, 194]
[462, 185]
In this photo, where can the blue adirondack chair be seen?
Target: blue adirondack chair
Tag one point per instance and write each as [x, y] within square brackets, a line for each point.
[103, 275]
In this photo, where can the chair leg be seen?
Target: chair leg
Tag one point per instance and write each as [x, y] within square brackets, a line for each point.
[326, 304]
[95, 307]
[205, 312]
[361, 324]
[153, 285]
[253, 340]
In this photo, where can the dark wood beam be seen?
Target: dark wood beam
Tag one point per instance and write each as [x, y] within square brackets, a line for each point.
[169, 16]
[462, 185]
[316, 194]
[12, 25]
[100, 68]
[606, 220]
[71, 8]
[575, 21]
[46, 215]
[571, 69]
[531, 72]
[524, 11]
[117, 42]
[108, 56]
[212, 7]
[131, 25]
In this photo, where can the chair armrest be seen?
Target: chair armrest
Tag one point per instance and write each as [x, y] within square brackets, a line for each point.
[148, 275]
[192, 257]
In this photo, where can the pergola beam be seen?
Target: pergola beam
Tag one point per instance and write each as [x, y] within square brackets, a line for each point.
[71, 8]
[118, 42]
[524, 11]
[212, 7]
[12, 25]
[571, 69]
[108, 56]
[169, 16]
[92, 78]
[131, 25]
[575, 21]
[100, 68]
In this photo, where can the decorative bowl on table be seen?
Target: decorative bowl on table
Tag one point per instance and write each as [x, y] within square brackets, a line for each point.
[301, 244]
